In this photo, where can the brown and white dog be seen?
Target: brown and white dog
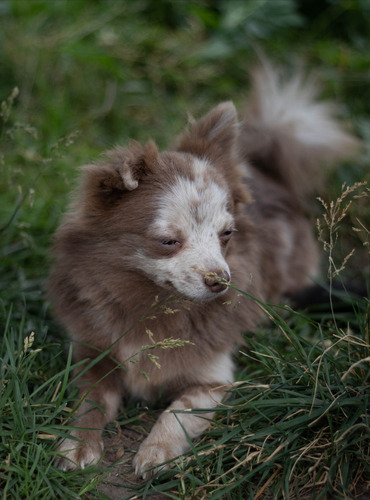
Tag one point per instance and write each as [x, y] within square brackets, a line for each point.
[149, 229]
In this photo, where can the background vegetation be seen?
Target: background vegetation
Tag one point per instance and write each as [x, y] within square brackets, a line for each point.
[78, 76]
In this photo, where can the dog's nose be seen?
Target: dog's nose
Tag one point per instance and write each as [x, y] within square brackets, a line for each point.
[212, 280]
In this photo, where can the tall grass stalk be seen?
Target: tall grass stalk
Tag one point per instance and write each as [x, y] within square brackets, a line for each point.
[328, 231]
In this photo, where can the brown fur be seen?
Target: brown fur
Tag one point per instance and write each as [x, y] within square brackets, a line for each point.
[106, 302]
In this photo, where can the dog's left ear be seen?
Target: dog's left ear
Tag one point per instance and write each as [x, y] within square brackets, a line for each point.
[214, 135]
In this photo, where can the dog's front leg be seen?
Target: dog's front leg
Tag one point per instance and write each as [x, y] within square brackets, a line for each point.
[167, 438]
[99, 400]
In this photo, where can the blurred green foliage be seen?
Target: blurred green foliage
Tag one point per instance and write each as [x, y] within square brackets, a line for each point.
[114, 69]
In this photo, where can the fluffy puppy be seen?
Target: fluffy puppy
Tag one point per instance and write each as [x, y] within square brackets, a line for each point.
[151, 233]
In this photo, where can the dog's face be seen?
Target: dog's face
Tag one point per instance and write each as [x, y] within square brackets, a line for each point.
[190, 231]
[171, 216]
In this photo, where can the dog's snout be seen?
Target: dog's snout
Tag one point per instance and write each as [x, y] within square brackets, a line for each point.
[215, 280]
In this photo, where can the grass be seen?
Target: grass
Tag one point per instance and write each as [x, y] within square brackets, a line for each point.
[80, 76]
[299, 425]
[295, 426]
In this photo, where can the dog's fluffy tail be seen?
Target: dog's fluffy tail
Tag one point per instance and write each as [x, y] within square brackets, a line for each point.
[287, 133]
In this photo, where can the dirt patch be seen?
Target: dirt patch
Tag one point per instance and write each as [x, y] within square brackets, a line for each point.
[119, 452]
[120, 445]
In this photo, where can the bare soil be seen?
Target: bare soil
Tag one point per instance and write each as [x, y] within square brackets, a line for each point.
[120, 446]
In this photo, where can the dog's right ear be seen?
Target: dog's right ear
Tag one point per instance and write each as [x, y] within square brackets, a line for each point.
[120, 171]
[214, 135]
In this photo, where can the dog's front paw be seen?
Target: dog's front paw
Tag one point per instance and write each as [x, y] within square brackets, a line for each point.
[77, 453]
[150, 457]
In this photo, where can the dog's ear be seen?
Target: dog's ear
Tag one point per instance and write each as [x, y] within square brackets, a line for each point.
[120, 171]
[212, 136]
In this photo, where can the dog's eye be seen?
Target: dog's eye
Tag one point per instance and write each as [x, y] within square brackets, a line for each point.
[226, 235]
[170, 242]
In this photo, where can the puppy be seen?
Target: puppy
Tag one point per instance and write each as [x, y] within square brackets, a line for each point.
[152, 241]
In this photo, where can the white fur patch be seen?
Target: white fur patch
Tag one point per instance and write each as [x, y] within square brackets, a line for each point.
[219, 371]
[177, 206]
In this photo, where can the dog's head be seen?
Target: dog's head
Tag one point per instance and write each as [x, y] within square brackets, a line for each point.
[171, 216]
